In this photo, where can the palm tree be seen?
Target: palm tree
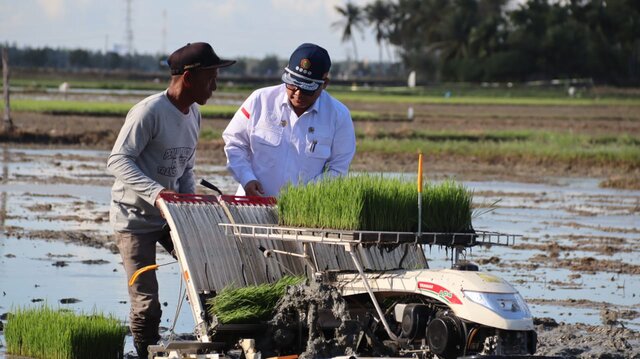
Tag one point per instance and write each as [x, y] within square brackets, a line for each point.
[352, 19]
[414, 26]
[378, 15]
[461, 17]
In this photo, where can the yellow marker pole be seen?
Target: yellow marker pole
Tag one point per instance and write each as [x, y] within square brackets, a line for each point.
[420, 194]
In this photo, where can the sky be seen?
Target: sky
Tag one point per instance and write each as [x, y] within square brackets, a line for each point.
[235, 28]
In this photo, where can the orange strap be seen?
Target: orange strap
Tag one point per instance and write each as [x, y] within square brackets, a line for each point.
[137, 273]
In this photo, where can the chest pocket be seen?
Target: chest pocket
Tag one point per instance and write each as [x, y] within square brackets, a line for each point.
[265, 145]
[267, 136]
[268, 131]
[318, 147]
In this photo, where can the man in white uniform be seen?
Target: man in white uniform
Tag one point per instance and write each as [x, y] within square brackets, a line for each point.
[294, 132]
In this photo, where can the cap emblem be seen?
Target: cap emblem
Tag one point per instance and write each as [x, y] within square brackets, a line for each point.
[305, 64]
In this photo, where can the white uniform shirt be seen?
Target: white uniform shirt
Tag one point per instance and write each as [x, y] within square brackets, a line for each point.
[267, 141]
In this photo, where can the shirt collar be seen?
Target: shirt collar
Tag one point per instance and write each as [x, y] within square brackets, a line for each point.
[285, 100]
[316, 105]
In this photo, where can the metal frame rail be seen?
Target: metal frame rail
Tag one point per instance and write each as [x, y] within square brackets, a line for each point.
[368, 238]
[197, 307]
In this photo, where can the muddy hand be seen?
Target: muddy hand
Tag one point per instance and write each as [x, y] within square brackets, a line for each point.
[156, 203]
[253, 188]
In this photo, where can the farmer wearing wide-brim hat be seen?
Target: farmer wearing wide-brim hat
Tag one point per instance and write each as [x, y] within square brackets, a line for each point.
[155, 153]
[294, 132]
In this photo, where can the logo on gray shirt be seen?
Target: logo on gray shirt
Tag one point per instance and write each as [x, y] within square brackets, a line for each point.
[179, 157]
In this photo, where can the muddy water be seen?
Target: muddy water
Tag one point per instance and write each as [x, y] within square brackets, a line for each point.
[577, 256]
[563, 225]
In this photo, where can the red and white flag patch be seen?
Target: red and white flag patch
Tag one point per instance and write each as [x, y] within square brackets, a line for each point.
[245, 112]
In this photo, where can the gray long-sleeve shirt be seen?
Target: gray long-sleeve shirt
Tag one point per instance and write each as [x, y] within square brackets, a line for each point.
[154, 150]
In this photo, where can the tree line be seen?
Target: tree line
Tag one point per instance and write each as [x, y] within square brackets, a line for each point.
[79, 60]
[82, 59]
[443, 41]
[485, 40]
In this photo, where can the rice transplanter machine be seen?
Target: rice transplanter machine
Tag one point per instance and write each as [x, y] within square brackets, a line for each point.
[394, 305]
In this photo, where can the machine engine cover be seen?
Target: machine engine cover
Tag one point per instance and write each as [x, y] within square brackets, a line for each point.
[414, 321]
[444, 337]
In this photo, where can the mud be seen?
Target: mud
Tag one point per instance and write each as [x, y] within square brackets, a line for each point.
[69, 300]
[303, 305]
[587, 341]
[88, 239]
[585, 264]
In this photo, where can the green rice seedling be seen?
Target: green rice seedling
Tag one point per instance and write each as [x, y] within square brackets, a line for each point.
[56, 334]
[375, 203]
[447, 207]
[249, 304]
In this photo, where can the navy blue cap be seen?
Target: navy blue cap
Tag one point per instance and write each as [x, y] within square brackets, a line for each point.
[307, 65]
[198, 55]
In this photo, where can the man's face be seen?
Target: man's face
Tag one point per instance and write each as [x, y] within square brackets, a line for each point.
[301, 100]
[203, 83]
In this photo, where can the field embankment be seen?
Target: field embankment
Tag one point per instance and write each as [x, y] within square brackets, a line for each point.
[525, 138]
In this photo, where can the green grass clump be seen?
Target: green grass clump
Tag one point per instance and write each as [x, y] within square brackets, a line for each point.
[375, 203]
[535, 146]
[114, 109]
[120, 109]
[80, 108]
[249, 304]
[380, 97]
[46, 333]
